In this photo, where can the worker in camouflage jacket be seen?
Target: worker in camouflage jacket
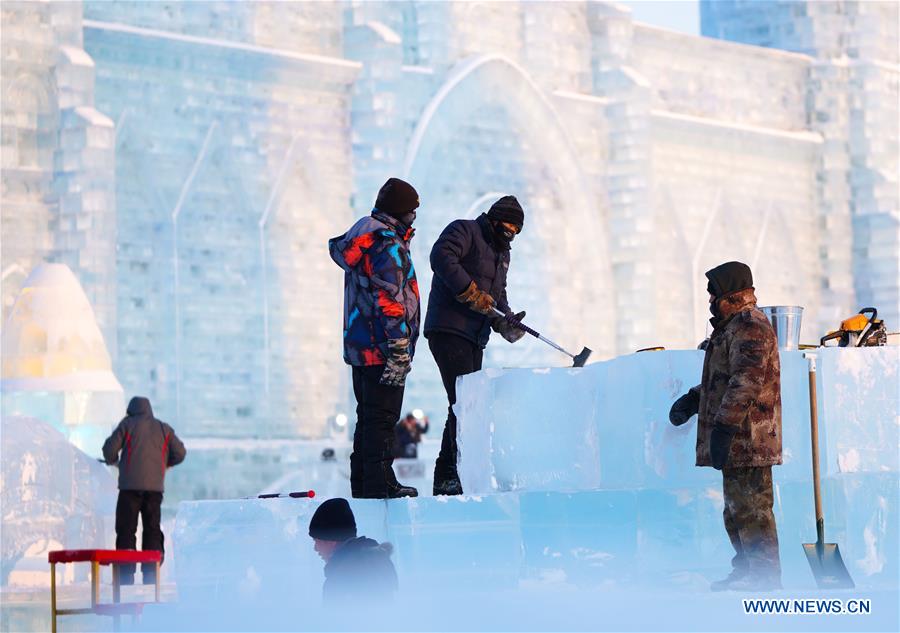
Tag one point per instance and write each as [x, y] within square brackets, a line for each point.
[381, 325]
[739, 423]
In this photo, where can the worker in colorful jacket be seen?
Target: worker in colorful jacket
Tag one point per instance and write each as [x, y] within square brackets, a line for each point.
[739, 424]
[381, 325]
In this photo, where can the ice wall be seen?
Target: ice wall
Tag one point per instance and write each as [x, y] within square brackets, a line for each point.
[587, 486]
[242, 561]
[855, 48]
[606, 425]
[233, 172]
[58, 173]
[642, 157]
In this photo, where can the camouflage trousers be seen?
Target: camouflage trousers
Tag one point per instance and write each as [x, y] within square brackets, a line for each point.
[749, 519]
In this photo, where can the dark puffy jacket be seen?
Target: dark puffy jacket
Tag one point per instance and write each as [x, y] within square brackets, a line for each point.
[381, 294]
[466, 252]
[360, 570]
[741, 386]
[148, 446]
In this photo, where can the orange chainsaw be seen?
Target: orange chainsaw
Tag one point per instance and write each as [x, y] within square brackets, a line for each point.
[859, 330]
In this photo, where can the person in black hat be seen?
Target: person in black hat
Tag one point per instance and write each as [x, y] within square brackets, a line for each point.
[470, 261]
[381, 325]
[739, 425]
[357, 569]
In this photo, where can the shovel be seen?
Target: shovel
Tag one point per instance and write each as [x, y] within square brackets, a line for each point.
[824, 558]
[579, 359]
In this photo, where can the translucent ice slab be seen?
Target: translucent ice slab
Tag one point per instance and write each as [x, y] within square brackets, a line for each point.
[606, 426]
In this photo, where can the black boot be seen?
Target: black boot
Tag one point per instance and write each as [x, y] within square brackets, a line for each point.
[391, 491]
[448, 484]
[380, 481]
[398, 490]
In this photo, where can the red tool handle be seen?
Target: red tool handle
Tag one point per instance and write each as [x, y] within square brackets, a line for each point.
[306, 494]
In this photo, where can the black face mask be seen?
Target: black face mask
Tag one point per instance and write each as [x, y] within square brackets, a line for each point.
[408, 218]
[503, 234]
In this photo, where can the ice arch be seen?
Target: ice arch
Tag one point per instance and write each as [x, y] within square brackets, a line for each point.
[490, 128]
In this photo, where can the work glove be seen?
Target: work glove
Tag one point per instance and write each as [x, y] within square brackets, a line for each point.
[507, 326]
[398, 363]
[720, 445]
[684, 408]
[477, 299]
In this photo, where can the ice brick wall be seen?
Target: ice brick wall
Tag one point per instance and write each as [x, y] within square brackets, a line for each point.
[246, 134]
[300, 27]
[821, 29]
[737, 84]
[487, 108]
[606, 425]
[233, 172]
[58, 160]
[752, 198]
[853, 101]
[745, 191]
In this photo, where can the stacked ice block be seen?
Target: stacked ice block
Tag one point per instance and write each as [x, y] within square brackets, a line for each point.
[575, 478]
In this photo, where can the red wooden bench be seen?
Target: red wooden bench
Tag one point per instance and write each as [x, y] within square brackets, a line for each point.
[97, 557]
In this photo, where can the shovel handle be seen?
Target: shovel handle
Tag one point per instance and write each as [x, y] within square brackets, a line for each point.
[518, 324]
[814, 439]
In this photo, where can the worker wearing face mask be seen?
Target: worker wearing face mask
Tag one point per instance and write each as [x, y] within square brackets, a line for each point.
[470, 261]
[381, 325]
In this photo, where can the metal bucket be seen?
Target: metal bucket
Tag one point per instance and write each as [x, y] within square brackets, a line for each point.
[786, 321]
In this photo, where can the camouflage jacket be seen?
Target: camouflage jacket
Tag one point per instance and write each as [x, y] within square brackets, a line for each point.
[741, 386]
[381, 294]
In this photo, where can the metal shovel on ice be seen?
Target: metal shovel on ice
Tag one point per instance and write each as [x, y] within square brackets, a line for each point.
[825, 560]
[579, 359]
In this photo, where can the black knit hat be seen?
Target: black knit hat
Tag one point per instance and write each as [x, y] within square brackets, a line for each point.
[727, 278]
[507, 209]
[397, 198]
[333, 521]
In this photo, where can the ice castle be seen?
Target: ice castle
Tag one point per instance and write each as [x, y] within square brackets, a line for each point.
[189, 160]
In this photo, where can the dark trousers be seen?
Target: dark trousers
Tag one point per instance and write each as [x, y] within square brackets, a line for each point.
[455, 357]
[749, 519]
[378, 409]
[145, 503]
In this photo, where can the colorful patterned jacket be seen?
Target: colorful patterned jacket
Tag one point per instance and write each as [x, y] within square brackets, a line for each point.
[381, 294]
[741, 385]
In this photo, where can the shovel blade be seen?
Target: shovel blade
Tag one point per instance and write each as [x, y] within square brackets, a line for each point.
[827, 566]
[581, 358]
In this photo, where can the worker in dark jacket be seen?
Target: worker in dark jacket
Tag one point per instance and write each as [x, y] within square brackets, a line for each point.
[381, 325]
[357, 569]
[143, 448]
[739, 424]
[470, 261]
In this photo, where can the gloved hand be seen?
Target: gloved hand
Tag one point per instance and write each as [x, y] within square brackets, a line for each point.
[506, 326]
[720, 445]
[477, 299]
[398, 363]
[685, 407]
